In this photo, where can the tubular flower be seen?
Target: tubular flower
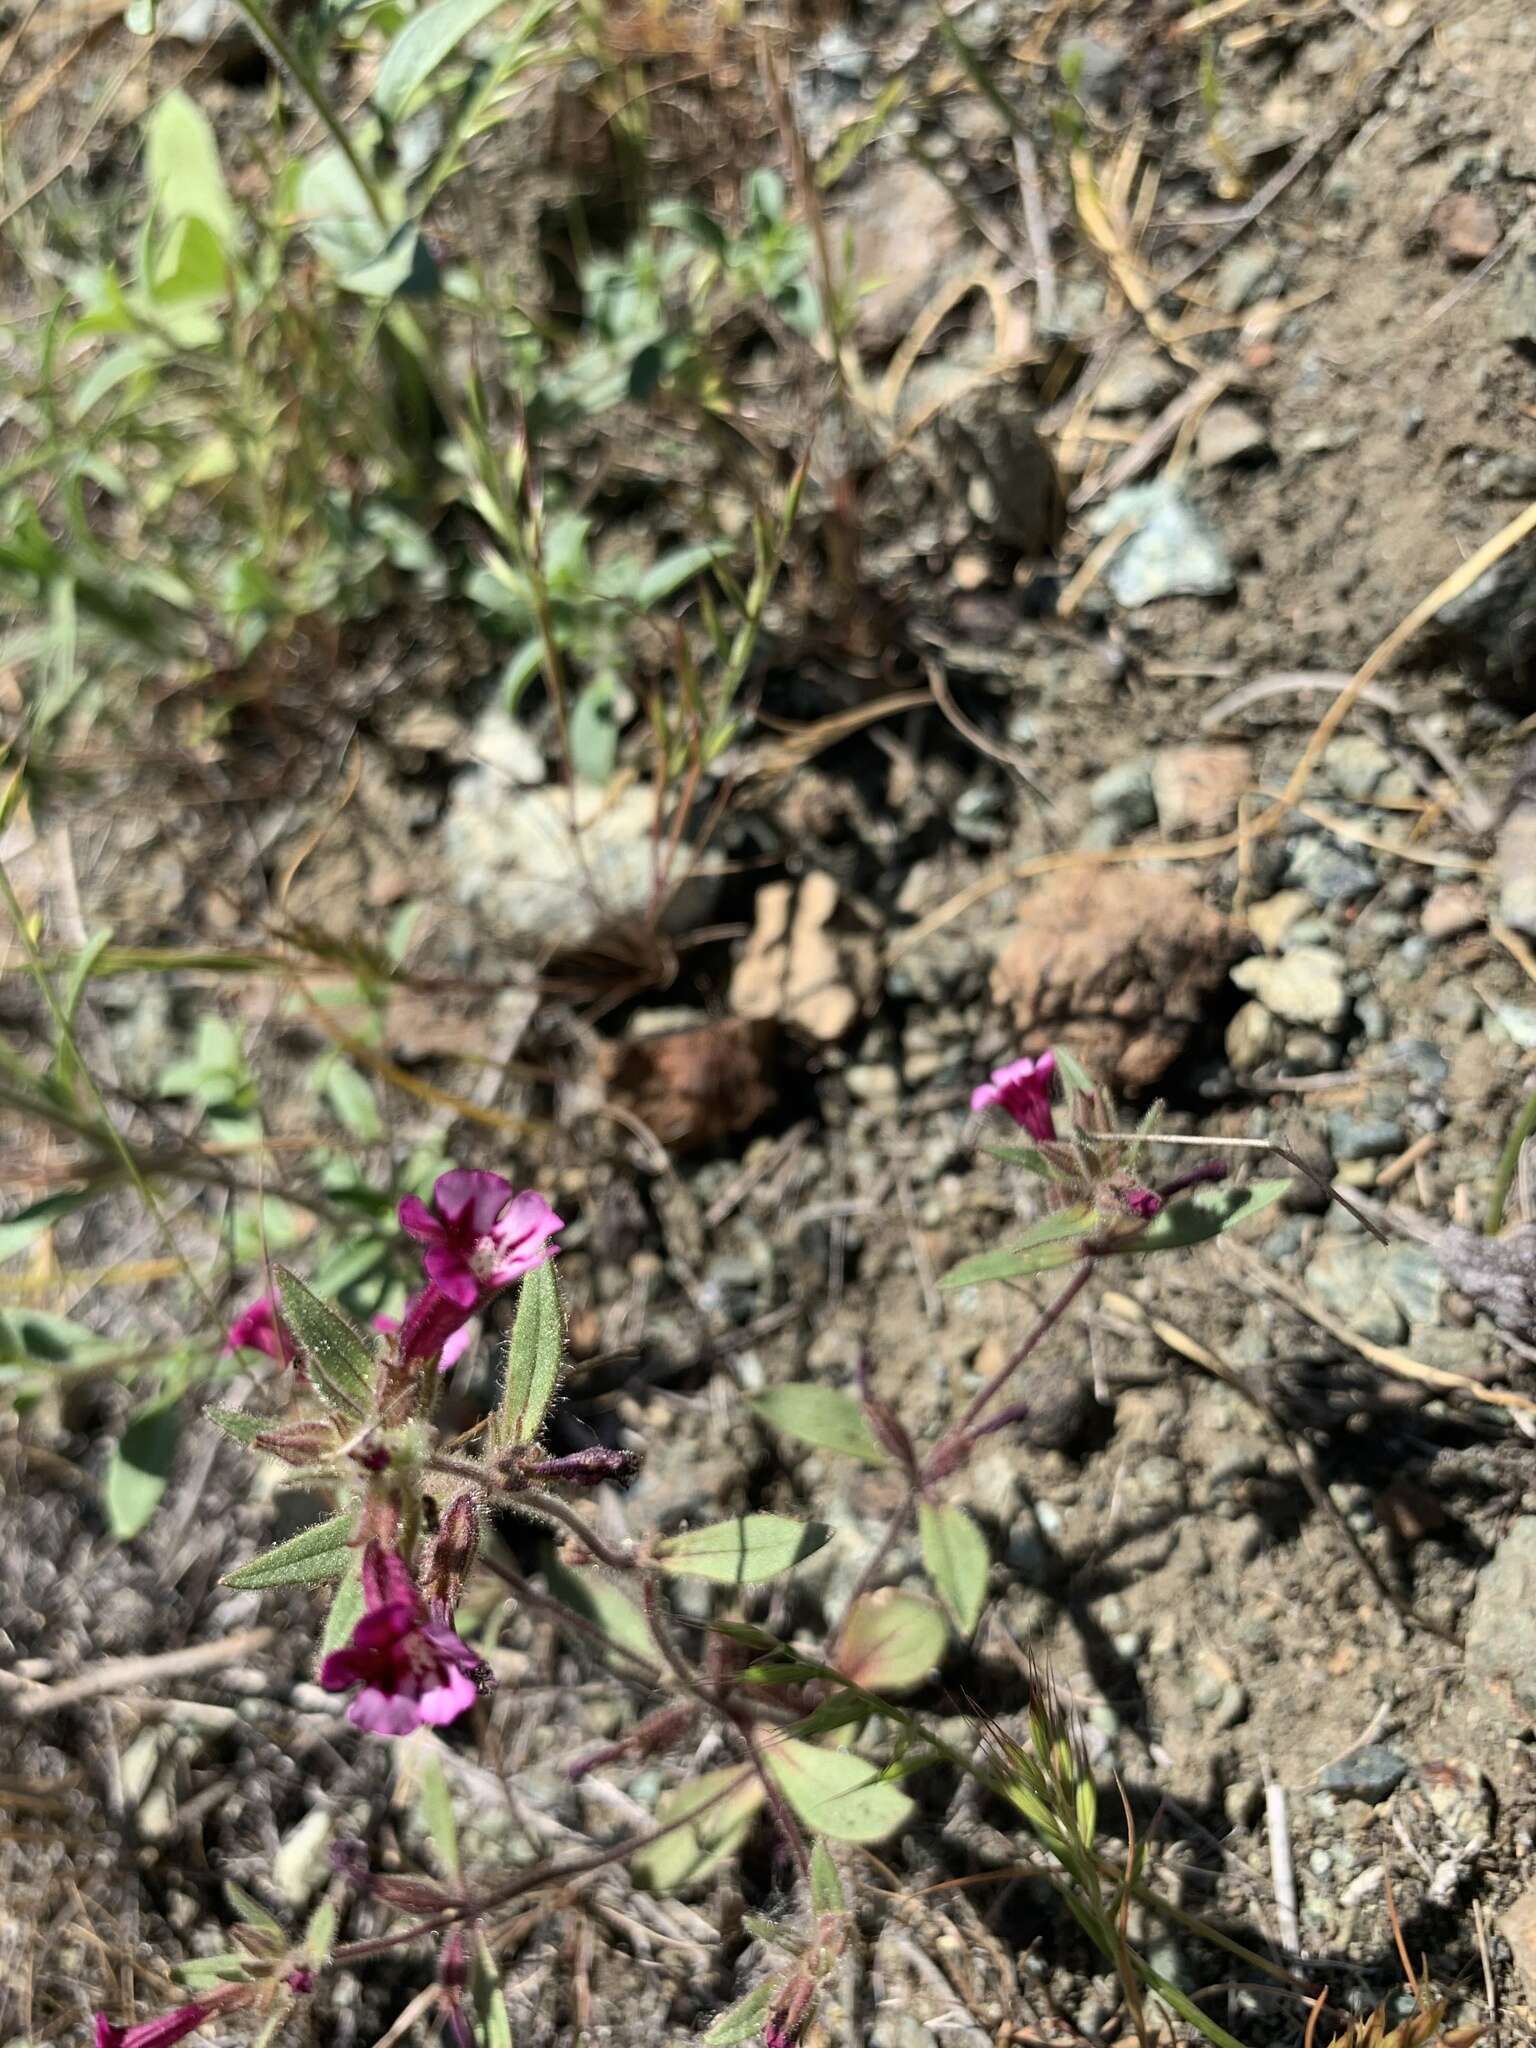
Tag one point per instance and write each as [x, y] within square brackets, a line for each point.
[160, 2033]
[480, 1234]
[411, 1669]
[1142, 1202]
[259, 1327]
[1023, 1089]
[454, 1347]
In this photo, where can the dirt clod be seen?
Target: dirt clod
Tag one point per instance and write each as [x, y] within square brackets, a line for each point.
[1118, 966]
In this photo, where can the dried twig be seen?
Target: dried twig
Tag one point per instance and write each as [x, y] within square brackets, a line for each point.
[119, 1674]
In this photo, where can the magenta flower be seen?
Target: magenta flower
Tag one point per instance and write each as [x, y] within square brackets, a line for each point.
[454, 1347]
[1142, 1202]
[412, 1669]
[1023, 1089]
[260, 1328]
[480, 1234]
[160, 2033]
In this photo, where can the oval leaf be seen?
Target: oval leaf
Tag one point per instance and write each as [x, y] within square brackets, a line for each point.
[744, 2020]
[346, 1609]
[823, 1416]
[1206, 1213]
[891, 1641]
[339, 1360]
[141, 1466]
[181, 165]
[421, 46]
[742, 1552]
[533, 1358]
[308, 1559]
[835, 1792]
[589, 1594]
[689, 1853]
[1051, 1242]
[826, 1885]
[955, 1558]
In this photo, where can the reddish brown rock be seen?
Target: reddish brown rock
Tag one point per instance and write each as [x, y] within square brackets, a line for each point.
[693, 1087]
[1117, 964]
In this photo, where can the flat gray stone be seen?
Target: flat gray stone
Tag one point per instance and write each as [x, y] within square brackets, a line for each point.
[1174, 552]
[1501, 1643]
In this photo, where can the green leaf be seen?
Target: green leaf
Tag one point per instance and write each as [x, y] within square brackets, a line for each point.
[1054, 1241]
[1207, 1213]
[191, 268]
[201, 1973]
[437, 1813]
[320, 1934]
[140, 1469]
[1027, 1156]
[744, 2020]
[594, 732]
[139, 17]
[252, 1911]
[493, 2025]
[340, 1362]
[955, 1558]
[835, 1792]
[534, 1357]
[28, 1224]
[181, 165]
[588, 1593]
[826, 1885]
[688, 1854]
[422, 45]
[236, 1423]
[742, 1552]
[823, 1416]
[31, 1336]
[1075, 1077]
[351, 1096]
[316, 1554]
[346, 1609]
[678, 566]
[891, 1641]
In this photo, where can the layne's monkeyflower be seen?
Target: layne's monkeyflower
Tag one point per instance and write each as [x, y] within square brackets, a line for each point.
[480, 1233]
[1023, 1089]
[411, 1666]
[160, 2033]
[454, 1347]
[259, 1327]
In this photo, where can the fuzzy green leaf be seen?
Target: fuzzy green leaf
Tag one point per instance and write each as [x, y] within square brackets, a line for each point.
[201, 1973]
[437, 1813]
[29, 1224]
[351, 1096]
[181, 165]
[741, 1552]
[534, 1358]
[955, 1558]
[493, 2024]
[253, 1912]
[891, 1641]
[1054, 1241]
[1208, 1212]
[835, 1792]
[826, 1885]
[425, 43]
[141, 1464]
[339, 1360]
[744, 2020]
[690, 1852]
[589, 1594]
[346, 1609]
[320, 1934]
[824, 1416]
[315, 1555]
[236, 1423]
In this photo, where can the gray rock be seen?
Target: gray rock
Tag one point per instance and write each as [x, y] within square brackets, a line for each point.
[216, 22]
[1364, 1137]
[1174, 552]
[1373, 1774]
[1517, 869]
[1094, 69]
[1243, 275]
[1302, 987]
[546, 868]
[1329, 872]
[1253, 1036]
[1501, 1644]
[1346, 1275]
[1414, 1282]
[1229, 433]
[1125, 794]
[1515, 319]
[1357, 765]
[1492, 626]
[1137, 379]
[904, 237]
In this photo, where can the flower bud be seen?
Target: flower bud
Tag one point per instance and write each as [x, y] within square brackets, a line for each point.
[591, 1467]
[298, 1443]
[452, 1555]
[789, 2011]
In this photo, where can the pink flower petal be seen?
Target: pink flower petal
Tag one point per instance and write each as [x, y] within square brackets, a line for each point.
[470, 1201]
[456, 1347]
[453, 1276]
[444, 1702]
[384, 1713]
[417, 1219]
